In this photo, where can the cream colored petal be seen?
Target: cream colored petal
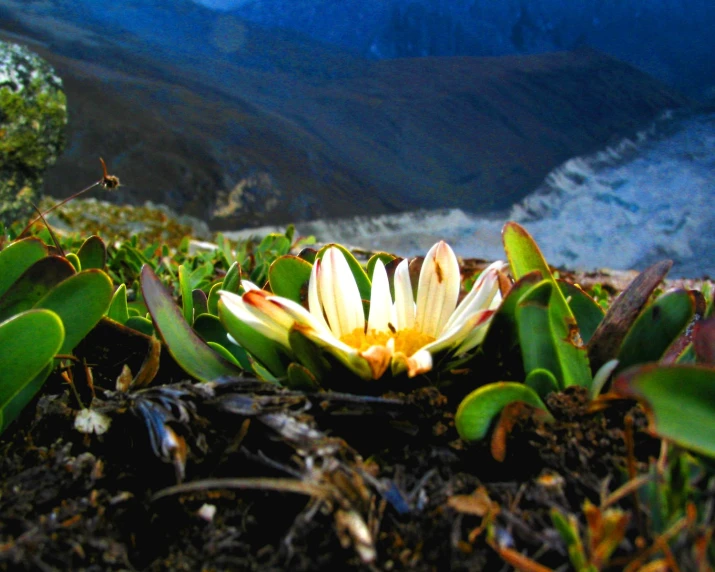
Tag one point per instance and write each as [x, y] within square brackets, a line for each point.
[307, 323]
[248, 285]
[299, 314]
[404, 300]
[339, 294]
[459, 334]
[418, 363]
[380, 300]
[259, 302]
[378, 357]
[253, 318]
[438, 289]
[314, 304]
[480, 296]
[346, 354]
[476, 335]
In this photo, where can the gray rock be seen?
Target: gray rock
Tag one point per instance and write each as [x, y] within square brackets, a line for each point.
[33, 117]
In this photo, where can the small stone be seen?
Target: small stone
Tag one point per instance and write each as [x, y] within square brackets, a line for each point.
[92, 421]
[207, 512]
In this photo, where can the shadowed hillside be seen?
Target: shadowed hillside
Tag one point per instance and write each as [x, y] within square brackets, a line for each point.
[255, 127]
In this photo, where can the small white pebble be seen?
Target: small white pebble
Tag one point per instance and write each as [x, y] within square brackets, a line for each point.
[91, 421]
[207, 512]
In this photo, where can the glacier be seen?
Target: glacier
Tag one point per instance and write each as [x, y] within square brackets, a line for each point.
[624, 207]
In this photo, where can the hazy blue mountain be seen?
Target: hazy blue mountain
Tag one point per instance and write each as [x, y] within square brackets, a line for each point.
[244, 125]
[670, 39]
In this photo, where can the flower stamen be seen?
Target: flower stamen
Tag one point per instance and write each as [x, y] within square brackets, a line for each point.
[406, 341]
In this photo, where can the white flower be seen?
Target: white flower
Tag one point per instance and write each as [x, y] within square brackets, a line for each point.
[402, 334]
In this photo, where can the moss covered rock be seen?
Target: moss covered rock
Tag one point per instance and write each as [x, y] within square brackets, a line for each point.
[33, 117]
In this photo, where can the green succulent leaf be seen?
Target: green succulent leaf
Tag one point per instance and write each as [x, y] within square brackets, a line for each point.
[29, 342]
[193, 354]
[290, 232]
[131, 257]
[308, 254]
[524, 256]
[200, 301]
[213, 299]
[74, 260]
[80, 301]
[118, 310]
[536, 338]
[269, 353]
[263, 373]
[679, 401]
[300, 378]
[211, 331]
[232, 280]
[224, 353]
[289, 276]
[201, 276]
[140, 324]
[308, 354]
[570, 348]
[259, 274]
[17, 257]
[274, 243]
[187, 300]
[478, 409]
[585, 309]
[567, 527]
[33, 284]
[542, 381]
[500, 348]
[522, 252]
[93, 253]
[656, 328]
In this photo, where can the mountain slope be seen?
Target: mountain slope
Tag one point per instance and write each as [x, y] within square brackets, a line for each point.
[244, 126]
[671, 39]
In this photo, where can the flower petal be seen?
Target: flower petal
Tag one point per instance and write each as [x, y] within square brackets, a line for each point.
[248, 285]
[438, 289]
[349, 356]
[299, 314]
[464, 336]
[260, 314]
[404, 299]
[477, 335]
[316, 307]
[480, 296]
[339, 294]
[369, 364]
[380, 300]
[254, 318]
[378, 357]
[418, 363]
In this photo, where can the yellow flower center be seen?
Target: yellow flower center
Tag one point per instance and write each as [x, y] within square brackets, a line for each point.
[406, 341]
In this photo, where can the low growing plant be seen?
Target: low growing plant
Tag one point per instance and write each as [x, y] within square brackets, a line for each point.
[48, 303]
[548, 335]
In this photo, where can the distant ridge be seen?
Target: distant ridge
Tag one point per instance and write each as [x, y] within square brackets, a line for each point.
[282, 128]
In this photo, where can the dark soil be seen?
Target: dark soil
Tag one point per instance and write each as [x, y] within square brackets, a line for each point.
[242, 475]
[320, 482]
